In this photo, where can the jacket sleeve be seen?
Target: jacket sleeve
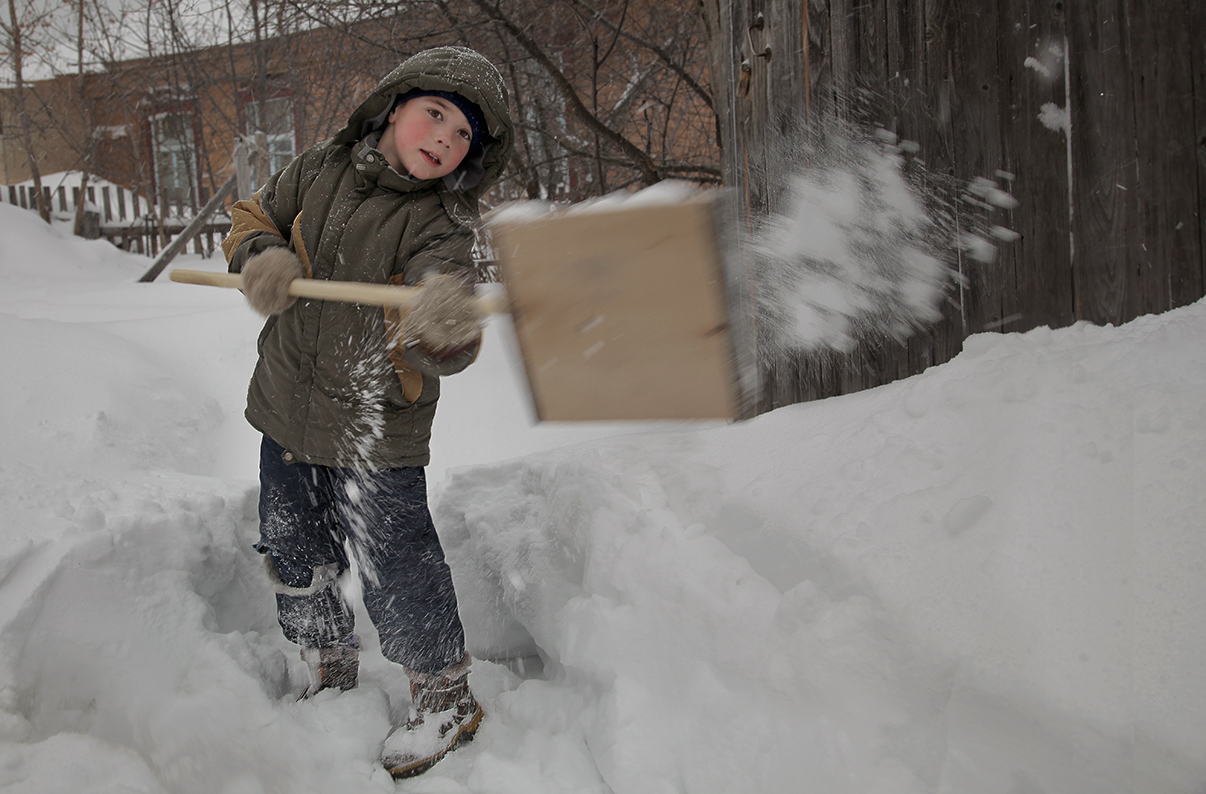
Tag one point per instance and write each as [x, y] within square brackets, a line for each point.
[267, 218]
[447, 249]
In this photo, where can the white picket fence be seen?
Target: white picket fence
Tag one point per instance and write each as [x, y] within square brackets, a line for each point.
[124, 217]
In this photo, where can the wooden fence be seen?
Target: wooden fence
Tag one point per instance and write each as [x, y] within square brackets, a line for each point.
[124, 217]
[1096, 109]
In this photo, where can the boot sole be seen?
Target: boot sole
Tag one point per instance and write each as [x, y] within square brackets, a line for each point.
[464, 735]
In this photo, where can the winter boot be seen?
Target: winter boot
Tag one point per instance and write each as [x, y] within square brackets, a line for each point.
[336, 667]
[444, 715]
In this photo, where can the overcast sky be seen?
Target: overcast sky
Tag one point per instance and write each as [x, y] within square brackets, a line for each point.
[114, 30]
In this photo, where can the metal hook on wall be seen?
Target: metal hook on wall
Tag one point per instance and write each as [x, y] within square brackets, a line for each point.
[759, 23]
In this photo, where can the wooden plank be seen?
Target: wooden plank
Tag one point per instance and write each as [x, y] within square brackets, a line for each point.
[820, 57]
[1167, 272]
[842, 36]
[1197, 27]
[930, 126]
[1037, 155]
[982, 156]
[785, 383]
[871, 45]
[198, 222]
[786, 61]
[755, 106]
[905, 66]
[909, 110]
[1104, 224]
[890, 64]
[621, 313]
[752, 123]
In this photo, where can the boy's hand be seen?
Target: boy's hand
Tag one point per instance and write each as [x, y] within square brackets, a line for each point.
[444, 319]
[266, 279]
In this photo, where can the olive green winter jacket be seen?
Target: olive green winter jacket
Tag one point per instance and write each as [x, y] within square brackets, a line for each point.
[330, 385]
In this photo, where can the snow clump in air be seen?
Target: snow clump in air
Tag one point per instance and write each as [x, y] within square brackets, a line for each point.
[865, 244]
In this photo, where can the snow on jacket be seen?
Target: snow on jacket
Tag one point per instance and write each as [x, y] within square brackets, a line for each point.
[330, 385]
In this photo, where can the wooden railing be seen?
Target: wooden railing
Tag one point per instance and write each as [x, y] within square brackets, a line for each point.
[124, 217]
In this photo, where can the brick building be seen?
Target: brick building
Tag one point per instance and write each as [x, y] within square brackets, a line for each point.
[166, 126]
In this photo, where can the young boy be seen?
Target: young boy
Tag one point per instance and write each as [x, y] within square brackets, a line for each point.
[344, 394]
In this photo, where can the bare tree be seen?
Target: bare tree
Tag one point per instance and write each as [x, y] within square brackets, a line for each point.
[89, 121]
[606, 93]
[637, 111]
[15, 30]
[638, 158]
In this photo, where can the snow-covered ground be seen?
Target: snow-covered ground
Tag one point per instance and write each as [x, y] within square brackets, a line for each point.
[990, 577]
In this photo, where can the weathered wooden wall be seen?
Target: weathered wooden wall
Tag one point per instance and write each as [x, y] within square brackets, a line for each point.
[1110, 217]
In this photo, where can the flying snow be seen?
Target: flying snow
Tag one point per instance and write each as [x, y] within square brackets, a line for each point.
[856, 252]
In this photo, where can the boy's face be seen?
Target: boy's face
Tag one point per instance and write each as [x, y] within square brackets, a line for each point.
[428, 136]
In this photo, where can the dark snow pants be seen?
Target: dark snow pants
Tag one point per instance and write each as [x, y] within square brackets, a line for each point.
[311, 515]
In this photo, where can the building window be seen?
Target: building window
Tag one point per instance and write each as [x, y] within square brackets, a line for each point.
[275, 117]
[175, 171]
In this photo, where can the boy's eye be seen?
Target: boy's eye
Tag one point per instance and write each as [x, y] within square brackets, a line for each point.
[465, 134]
[435, 114]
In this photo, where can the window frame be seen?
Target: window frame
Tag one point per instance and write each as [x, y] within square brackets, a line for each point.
[278, 157]
[187, 153]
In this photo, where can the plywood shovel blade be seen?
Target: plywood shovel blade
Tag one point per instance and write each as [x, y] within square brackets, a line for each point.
[621, 312]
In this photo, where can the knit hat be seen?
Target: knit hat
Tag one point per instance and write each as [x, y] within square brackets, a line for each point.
[473, 114]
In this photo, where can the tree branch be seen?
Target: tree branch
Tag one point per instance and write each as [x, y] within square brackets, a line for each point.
[661, 53]
[643, 163]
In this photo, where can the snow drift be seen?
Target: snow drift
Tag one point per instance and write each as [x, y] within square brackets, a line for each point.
[986, 578]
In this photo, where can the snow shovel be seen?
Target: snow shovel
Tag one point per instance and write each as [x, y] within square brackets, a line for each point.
[620, 311]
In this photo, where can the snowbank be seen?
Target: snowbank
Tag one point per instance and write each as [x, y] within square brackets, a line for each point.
[987, 574]
[986, 578]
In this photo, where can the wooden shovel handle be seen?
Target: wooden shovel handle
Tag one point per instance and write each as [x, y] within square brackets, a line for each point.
[343, 291]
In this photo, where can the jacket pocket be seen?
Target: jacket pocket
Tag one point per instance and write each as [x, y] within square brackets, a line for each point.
[395, 329]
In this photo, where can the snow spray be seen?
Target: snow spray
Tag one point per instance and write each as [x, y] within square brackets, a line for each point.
[867, 243]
